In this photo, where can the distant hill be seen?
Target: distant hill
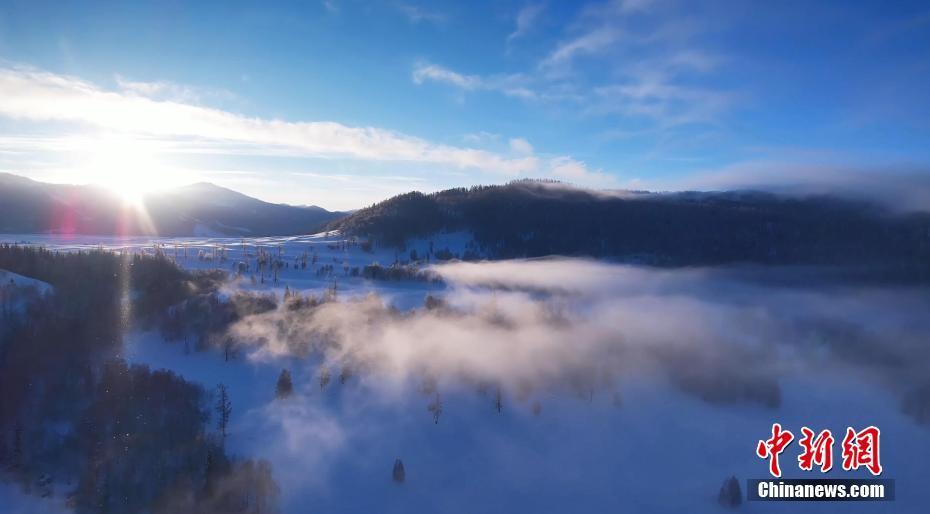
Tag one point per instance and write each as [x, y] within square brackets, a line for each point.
[28, 206]
[530, 219]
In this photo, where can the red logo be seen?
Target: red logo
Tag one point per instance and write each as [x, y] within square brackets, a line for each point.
[817, 450]
[860, 449]
[773, 447]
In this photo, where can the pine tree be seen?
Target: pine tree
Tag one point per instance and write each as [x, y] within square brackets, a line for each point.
[730, 494]
[228, 347]
[399, 474]
[209, 473]
[498, 400]
[216, 466]
[284, 387]
[223, 410]
[345, 374]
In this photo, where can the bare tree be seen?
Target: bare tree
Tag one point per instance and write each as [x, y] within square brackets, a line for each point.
[436, 408]
[223, 410]
[324, 377]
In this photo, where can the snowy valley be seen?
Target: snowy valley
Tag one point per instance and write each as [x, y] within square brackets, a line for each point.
[544, 385]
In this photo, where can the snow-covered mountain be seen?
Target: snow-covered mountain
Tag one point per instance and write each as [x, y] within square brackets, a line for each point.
[28, 206]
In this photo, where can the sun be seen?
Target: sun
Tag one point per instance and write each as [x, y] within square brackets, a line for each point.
[130, 191]
[127, 166]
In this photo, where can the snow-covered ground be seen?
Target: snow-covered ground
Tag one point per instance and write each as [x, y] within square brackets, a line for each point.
[638, 445]
[328, 244]
[658, 450]
[10, 278]
[16, 291]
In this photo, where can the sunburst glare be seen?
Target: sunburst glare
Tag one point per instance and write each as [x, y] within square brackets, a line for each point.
[130, 167]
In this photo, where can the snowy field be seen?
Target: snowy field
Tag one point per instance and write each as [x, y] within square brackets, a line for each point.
[16, 290]
[329, 249]
[564, 385]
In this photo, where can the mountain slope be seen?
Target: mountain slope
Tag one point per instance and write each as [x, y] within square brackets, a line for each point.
[27, 206]
[529, 219]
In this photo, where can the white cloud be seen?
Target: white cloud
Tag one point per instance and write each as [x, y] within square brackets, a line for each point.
[481, 137]
[521, 146]
[35, 95]
[630, 6]
[514, 85]
[432, 72]
[574, 171]
[598, 27]
[900, 188]
[695, 60]
[645, 67]
[417, 14]
[657, 97]
[85, 117]
[526, 20]
[587, 43]
[166, 90]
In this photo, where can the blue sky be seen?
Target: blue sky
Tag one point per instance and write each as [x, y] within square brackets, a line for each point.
[342, 103]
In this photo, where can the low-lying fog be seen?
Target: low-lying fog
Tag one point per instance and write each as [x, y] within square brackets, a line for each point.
[571, 385]
[724, 335]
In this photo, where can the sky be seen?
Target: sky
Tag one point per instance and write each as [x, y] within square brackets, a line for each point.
[342, 103]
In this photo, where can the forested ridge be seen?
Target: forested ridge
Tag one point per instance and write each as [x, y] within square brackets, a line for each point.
[532, 218]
